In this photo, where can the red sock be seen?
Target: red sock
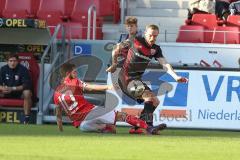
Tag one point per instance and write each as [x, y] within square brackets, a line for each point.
[76, 124]
[133, 120]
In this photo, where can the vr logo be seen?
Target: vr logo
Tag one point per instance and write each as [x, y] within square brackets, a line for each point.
[156, 79]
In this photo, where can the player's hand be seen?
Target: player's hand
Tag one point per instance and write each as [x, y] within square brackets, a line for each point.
[182, 80]
[112, 68]
[7, 90]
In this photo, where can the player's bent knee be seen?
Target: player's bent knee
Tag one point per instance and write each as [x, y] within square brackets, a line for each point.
[27, 94]
[155, 101]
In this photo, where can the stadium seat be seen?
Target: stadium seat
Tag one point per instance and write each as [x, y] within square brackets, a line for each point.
[191, 33]
[72, 30]
[34, 6]
[80, 14]
[21, 10]
[226, 35]
[69, 6]
[112, 10]
[52, 11]
[209, 21]
[233, 20]
[2, 5]
[28, 61]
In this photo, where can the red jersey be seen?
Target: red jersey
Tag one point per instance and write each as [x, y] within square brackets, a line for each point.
[69, 95]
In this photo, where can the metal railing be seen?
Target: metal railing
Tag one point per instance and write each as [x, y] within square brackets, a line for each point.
[214, 38]
[43, 77]
[124, 4]
[92, 8]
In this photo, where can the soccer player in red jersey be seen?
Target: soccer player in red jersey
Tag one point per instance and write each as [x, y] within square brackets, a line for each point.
[140, 53]
[69, 97]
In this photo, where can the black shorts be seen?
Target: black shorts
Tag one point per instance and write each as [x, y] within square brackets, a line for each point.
[123, 85]
[13, 95]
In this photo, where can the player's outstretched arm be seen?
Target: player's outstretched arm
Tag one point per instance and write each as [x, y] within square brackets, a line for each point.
[95, 87]
[59, 118]
[168, 68]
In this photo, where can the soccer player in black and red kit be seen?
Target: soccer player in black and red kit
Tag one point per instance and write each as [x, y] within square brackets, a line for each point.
[140, 52]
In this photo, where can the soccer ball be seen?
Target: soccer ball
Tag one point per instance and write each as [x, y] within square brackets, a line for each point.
[136, 88]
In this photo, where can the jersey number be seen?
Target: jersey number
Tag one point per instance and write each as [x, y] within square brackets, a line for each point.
[62, 100]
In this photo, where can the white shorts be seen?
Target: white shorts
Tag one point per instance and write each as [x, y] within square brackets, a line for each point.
[97, 120]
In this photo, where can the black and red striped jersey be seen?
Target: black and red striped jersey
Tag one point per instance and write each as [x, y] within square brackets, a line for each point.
[138, 57]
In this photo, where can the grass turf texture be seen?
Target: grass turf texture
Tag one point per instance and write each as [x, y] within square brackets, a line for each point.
[44, 142]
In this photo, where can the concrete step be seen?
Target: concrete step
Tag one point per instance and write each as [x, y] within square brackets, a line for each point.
[170, 4]
[157, 12]
[167, 33]
[162, 22]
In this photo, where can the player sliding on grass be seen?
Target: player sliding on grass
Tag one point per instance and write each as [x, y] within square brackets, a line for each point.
[69, 97]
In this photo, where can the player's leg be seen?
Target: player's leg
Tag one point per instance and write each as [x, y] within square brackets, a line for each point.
[27, 97]
[92, 126]
[130, 119]
[99, 120]
[150, 104]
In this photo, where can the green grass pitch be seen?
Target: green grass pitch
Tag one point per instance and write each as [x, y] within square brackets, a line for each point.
[44, 142]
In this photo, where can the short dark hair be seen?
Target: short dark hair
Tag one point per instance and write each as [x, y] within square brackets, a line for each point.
[67, 67]
[12, 55]
[153, 27]
[131, 20]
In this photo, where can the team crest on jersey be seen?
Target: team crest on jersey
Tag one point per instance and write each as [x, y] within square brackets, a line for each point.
[7, 77]
[16, 77]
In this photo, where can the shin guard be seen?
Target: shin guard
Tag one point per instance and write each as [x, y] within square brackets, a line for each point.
[147, 113]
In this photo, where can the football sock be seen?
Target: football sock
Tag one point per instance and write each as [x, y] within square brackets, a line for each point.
[26, 119]
[133, 120]
[147, 113]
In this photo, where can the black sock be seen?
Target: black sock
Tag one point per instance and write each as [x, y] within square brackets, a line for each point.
[26, 118]
[147, 113]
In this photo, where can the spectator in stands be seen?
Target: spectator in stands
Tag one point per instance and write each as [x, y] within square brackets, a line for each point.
[132, 29]
[15, 82]
[200, 6]
[234, 8]
[222, 9]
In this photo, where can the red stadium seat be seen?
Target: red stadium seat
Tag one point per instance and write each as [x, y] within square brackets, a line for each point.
[80, 10]
[34, 6]
[209, 21]
[72, 30]
[69, 6]
[52, 11]
[226, 35]
[28, 61]
[2, 5]
[112, 10]
[233, 20]
[14, 9]
[191, 33]
[80, 14]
